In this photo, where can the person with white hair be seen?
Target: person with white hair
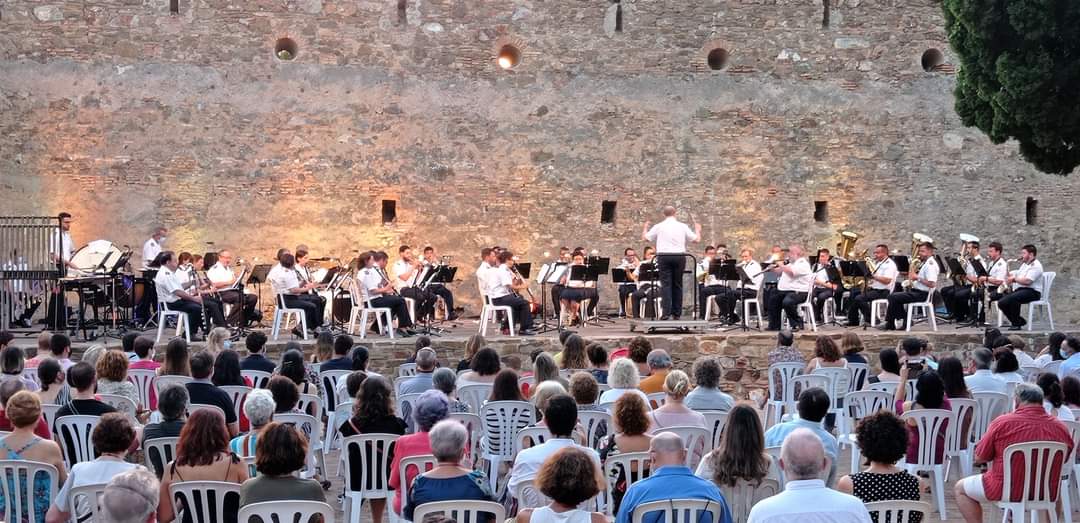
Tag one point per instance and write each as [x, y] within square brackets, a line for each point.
[659, 362]
[259, 408]
[426, 362]
[623, 379]
[130, 497]
[670, 479]
[450, 479]
[805, 496]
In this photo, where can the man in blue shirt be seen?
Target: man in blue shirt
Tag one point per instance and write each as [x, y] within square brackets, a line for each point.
[670, 479]
[813, 405]
[1070, 350]
[341, 361]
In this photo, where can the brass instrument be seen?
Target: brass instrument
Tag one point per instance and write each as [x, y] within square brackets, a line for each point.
[845, 248]
[964, 258]
[1005, 288]
[704, 273]
[916, 263]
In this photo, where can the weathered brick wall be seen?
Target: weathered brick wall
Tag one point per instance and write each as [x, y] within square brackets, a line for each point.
[129, 116]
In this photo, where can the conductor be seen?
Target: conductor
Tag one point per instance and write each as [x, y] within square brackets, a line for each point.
[670, 236]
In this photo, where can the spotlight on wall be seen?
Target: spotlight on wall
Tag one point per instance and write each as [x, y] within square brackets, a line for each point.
[509, 57]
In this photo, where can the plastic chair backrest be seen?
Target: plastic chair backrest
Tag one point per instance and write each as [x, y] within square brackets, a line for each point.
[373, 454]
[49, 410]
[259, 378]
[158, 452]
[73, 434]
[780, 375]
[476, 430]
[405, 409]
[474, 394]
[679, 510]
[629, 466]
[715, 421]
[744, 495]
[462, 511]
[420, 464]
[806, 381]
[858, 375]
[841, 382]
[884, 386]
[899, 511]
[502, 420]
[656, 399]
[192, 407]
[205, 501]
[909, 390]
[84, 503]
[309, 425]
[594, 421]
[164, 381]
[329, 380]
[530, 437]
[237, 393]
[406, 369]
[144, 383]
[17, 482]
[122, 404]
[963, 409]
[1047, 283]
[697, 441]
[285, 512]
[929, 424]
[310, 404]
[1041, 465]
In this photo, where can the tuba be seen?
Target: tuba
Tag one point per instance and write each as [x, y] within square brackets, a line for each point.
[845, 248]
[916, 263]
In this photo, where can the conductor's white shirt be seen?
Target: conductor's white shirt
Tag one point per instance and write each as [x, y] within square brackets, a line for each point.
[670, 236]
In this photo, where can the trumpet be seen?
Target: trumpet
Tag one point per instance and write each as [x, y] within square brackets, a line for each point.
[1005, 288]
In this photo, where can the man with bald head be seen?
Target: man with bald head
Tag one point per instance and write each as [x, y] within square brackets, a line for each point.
[670, 479]
[796, 279]
[221, 276]
[670, 237]
[805, 496]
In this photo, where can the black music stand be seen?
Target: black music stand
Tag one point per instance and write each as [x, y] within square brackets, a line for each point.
[833, 276]
[979, 319]
[620, 277]
[257, 277]
[545, 279]
[649, 271]
[723, 270]
[903, 263]
[744, 280]
[114, 275]
[441, 275]
[598, 267]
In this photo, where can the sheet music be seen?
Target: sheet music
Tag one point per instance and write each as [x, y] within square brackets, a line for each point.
[557, 273]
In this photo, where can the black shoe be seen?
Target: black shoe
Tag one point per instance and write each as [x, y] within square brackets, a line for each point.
[1016, 327]
[849, 324]
[404, 333]
[527, 332]
[887, 327]
[452, 316]
[297, 332]
[665, 318]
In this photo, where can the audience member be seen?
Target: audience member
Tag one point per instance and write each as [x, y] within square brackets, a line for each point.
[359, 356]
[227, 370]
[812, 406]
[280, 452]
[545, 369]
[569, 478]
[674, 413]
[426, 361]
[112, 374]
[259, 408]
[623, 379]
[8, 390]
[449, 480]
[373, 413]
[889, 361]
[670, 479]
[60, 347]
[5, 339]
[483, 368]
[929, 394]
[172, 405]
[12, 363]
[598, 361]
[560, 416]
[130, 497]
[826, 354]
[982, 379]
[285, 395]
[912, 356]
[1051, 352]
[54, 389]
[342, 359]
[1054, 398]
[1070, 390]
[83, 402]
[472, 346]
[573, 356]
[1070, 349]
[584, 390]
[639, 350]
[177, 359]
[882, 439]
[294, 368]
[630, 422]
[428, 409]
[324, 348]
[143, 347]
[741, 454]
[445, 380]
[659, 366]
[785, 351]
[543, 393]
[218, 340]
[707, 395]
[44, 338]
[852, 346]
[1007, 368]
[1029, 422]
[202, 391]
[952, 375]
[25, 443]
[422, 342]
[256, 359]
[112, 437]
[202, 454]
[505, 387]
[805, 496]
[352, 386]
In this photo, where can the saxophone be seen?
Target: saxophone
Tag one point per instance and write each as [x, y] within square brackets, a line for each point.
[1004, 288]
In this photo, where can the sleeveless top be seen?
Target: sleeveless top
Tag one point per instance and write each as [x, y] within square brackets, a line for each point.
[871, 487]
[41, 484]
[546, 515]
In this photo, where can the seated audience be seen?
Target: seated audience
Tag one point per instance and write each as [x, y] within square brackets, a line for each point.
[430, 408]
[1029, 422]
[598, 361]
[674, 413]
[259, 407]
[82, 379]
[342, 359]
[890, 368]
[8, 390]
[929, 394]
[360, 357]
[573, 355]
[202, 454]
[202, 391]
[659, 366]
[707, 395]
[472, 346]
[112, 378]
[560, 416]
[1070, 391]
[545, 369]
[670, 479]
[44, 350]
[217, 340]
[882, 439]
[426, 361]
[785, 351]
[256, 359]
[638, 351]
[1051, 352]
[982, 379]
[1007, 368]
[23, 410]
[543, 393]
[280, 452]
[505, 387]
[741, 454]
[112, 437]
[812, 406]
[449, 480]
[227, 373]
[143, 347]
[177, 359]
[445, 381]
[285, 395]
[569, 478]
[1053, 397]
[951, 372]
[1070, 350]
[173, 406]
[826, 355]
[585, 390]
[851, 346]
[805, 496]
[60, 347]
[482, 369]
[623, 379]
[12, 363]
[54, 389]
[131, 497]
[630, 421]
[373, 413]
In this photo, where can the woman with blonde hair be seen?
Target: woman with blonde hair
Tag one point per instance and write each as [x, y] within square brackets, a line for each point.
[218, 340]
[472, 346]
[24, 412]
[674, 412]
[545, 369]
[573, 356]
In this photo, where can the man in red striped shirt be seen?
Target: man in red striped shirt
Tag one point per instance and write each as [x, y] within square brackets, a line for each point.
[1030, 422]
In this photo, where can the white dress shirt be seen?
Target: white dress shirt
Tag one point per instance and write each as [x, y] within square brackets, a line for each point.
[150, 250]
[753, 270]
[219, 273]
[65, 245]
[528, 461]
[799, 280]
[371, 279]
[481, 276]
[997, 271]
[930, 272]
[402, 267]
[670, 236]
[969, 270]
[500, 282]
[166, 284]
[809, 501]
[885, 269]
[985, 381]
[1033, 270]
[283, 280]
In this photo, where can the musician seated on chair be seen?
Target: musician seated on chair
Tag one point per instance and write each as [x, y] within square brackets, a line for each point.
[922, 283]
[576, 291]
[407, 272]
[958, 297]
[646, 290]
[286, 281]
[182, 295]
[222, 277]
[795, 281]
[996, 272]
[729, 300]
[709, 286]
[380, 291]
[881, 281]
[824, 289]
[629, 263]
[302, 257]
[502, 285]
[431, 259]
[1026, 284]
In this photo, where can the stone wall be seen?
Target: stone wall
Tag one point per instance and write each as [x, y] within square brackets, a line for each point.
[129, 116]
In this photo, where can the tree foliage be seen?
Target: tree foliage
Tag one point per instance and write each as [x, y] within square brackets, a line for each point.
[1019, 75]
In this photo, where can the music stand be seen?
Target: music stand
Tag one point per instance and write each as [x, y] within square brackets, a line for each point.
[620, 277]
[744, 280]
[542, 277]
[832, 274]
[257, 277]
[598, 267]
[524, 269]
[648, 271]
[439, 275]
[903, 264]
[723, 270]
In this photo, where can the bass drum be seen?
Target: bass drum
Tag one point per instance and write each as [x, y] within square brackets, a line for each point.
[342, 308]
[90, 256]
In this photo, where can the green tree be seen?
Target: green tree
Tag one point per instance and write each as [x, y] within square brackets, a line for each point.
[1019, 75]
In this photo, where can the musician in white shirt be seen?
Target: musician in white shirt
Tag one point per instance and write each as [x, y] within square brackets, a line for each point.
[180, 296]
[1027, 286]
[709, 286]
[670, 236]
[286, 281]
[730, 299]
[152, 247]
[647, 288]
[629, 263]
[223, 279]
[882, 280]
[796, 278]
[488, 260]
[958, 297]
[406, 275]
[824, 289]
[502, 284]
[921, 284]
[996, 272]
[380, 289]
[431, 260]
[576, 291]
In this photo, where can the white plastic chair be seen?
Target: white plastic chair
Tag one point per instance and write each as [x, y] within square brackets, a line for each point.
[715, 421]
[163, 450]
[363, 310]
[744, 495]
[859, 371]
[329, 380]
[679, 510]
[530, 437]
[407, 369]
[808, 381]
[879, 307]
[164, 381]
[502, 420]
[756, 302]
[17, 482]
[489, 314]
[122, 404]
[695, 439]
[49, 410]
[420, 464]
[656, 399]
[311, 427]
[462, 511]
[840, 383]
[405, 408]
[930, 423]
[899, 511]
[372, 452]
[84, 503]
[236, 393]
[884, 386]
[631, 466]
[1043, 301]
[73, 435]
[259, 378]
[925, 308]
[182, 326]
[285, 512]
[593, 421]
[283, 315]
[780, 375]
[310, 404]
[858, 405]
[144, 383]
[805, 309]
[1039, 459]
[991, 405]
[205, 501]
[475, 427]
[962, 409]
[332, 437]
[474, 395]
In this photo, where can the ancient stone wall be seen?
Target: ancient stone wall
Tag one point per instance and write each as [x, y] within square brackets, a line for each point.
[129, 115]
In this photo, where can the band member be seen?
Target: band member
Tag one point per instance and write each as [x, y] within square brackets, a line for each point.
[1027, 286]
[185, 297]
[882, 279]
[502, 284]
[489, 260]
[431, 259]
[61, 249]
[671, 236]
[152, 247]
[709, 286]
[996, 272]
[576, 291]
[229, 289]
[286, 281]
[823, 288]
[958, 297]
[380, 290]
[795, 281]
[921, 284]
[629, 263]
[753, 270]
[406, 273]
[646, 289]
[565, 257]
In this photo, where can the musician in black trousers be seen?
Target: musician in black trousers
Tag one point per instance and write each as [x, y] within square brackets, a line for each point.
[502, 287]
[881, 281]
[381, 292]
[286, 281]
[439, 289]
[1027, 286]
[671, 236]
[177, 298]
